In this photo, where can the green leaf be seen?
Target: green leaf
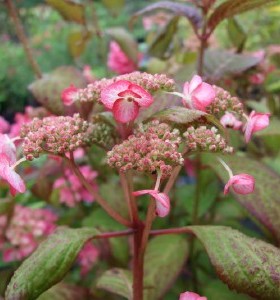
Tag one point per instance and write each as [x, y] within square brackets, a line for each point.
[48, 264]
[77, 42]
[114, 6]
[264, 203]
[117, 281]
[186, 10]
[164, 259]
[47, 90]
[69, 10]
[179, 115]
[63, 291]
[125, 40]
[219, 63]
[162, 41]
[236, 34]
[231, 8]
[245, 264]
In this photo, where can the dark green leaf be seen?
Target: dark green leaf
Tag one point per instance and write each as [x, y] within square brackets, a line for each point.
[70, 10]
[245, 264]
[219, 63]
[162, 41]
[117, 281]
[231, 8]
[48, 264]
[179, 115]
[186, 10]
[114, 6]
[77, 42]
[164, 259]
[236, 34]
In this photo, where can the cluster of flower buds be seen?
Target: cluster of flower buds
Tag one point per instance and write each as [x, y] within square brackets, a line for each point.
[54, 135]
[150, 83]
[102, 134]
[87, 257]
[224, 102]
[27, 227]
[205, 139]
[153, 147]
[71, 190]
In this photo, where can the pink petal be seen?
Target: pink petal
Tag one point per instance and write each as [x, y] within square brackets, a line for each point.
[195, 82]
[191, 296]
[110, 94]
[125, 111]
[69, 95]
[229, 120]
[162, 204]
[143, 192]
[8, 148]
[261, 121]
[203, 95]
[186, 88]
[145, 99]
[242, 184]
[14, 180]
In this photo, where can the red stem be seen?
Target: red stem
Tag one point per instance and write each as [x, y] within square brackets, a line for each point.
[97, 197]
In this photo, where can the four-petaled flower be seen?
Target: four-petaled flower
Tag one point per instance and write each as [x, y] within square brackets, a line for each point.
[198, 94]
[229, 120]
[162, 201]
[255, 122]
[191, 296]
[70, 95]
[125, 98]
[242, 184]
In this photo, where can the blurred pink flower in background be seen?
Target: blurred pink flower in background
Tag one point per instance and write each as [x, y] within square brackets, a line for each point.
[87, 257]
[88, 74]
[191, 296]
[26, 229]
[4, 125]
[71, 191]
[118, 60]
[257, 78]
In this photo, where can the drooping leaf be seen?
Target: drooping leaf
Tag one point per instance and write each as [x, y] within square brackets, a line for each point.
[236, 34]
[114, 6]
[179, 115]
[63, 291]
[219, 63]
[164, 259]
[186, 10]
[77, 42]
[48, 264]
[162, 41]
[264, 203]
[117, 281]
[70, 10]
[125, 40]
[245, 264]
[231, 8]
[47, 90]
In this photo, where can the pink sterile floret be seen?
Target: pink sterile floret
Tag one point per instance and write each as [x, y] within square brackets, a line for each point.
[230, 121]
[162, 201]
[70, 95]
[198, 94]
[191, 296]
[25, 231]
[71, 191]
[125, 98]
[255, 122]
[87, 257]
[118, 60]
[241, 184]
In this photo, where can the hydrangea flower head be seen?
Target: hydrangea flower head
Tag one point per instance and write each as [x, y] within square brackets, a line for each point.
[125, 98]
